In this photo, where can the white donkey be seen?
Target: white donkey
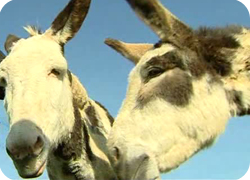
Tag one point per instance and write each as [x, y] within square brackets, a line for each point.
[52, 120]
[181, 93]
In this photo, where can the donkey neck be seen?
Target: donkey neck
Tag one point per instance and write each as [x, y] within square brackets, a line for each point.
[79, 93]
[83, 154]
[72, 158]
[73, 154]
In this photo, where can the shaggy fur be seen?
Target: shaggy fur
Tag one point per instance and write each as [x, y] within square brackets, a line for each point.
[185, 89]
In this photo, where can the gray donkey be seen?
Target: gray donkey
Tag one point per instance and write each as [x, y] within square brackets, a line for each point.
[181, 93]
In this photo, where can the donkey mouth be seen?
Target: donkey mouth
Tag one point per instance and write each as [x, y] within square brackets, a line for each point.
[32, 167]
[40, 170]
[35, 174]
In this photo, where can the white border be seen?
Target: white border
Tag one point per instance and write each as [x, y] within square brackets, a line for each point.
[246, 3]
[3, 3]
[2, 176]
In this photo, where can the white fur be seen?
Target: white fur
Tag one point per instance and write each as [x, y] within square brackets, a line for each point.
[31, 30]
[32, 93]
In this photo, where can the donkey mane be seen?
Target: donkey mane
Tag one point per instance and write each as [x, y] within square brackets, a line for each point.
[227, 31]
[80, 96]
[111, 119]
[216, 46]
[33, 30]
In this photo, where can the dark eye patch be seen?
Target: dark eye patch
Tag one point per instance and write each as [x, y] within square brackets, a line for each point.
[168, 61]
[176, 90]
[159, 64]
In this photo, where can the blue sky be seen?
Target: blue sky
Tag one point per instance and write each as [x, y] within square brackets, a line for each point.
[104, 73]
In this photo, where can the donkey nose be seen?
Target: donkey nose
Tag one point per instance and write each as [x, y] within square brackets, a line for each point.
[24, 140]
[115, 154]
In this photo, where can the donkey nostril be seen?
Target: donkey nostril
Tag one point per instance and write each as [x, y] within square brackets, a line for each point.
[38, 146]
[39, 142]
[116, 153]
[25, 140]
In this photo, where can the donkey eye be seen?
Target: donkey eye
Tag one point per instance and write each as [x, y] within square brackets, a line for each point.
[154, 72]
[55, 72]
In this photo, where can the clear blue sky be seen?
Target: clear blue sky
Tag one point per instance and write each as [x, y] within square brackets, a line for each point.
[104, 73]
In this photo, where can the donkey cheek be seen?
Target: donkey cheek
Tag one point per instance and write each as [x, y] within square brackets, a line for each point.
[177, 90]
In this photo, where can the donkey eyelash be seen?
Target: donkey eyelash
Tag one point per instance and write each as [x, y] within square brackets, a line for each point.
[154, 72]
[149, 73]
[55, 72]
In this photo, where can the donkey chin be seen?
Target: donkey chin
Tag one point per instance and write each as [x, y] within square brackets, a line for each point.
[29, 150]
[31, 167]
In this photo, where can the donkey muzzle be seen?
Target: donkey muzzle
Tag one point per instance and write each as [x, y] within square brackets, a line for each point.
[25, 145]
[133, 163]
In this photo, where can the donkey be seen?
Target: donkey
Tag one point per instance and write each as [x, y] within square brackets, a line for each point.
[181, 93]
[53, 122]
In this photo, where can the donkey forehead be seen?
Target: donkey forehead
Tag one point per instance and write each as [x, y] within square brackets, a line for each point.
[165, 48]
[39, 48]
[156, 52]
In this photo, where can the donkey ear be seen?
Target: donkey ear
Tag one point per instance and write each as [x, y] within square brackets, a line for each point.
[69, 20]
[133, 52]
[2, 56]
[2, 90]
[167, 26]
[10, 40]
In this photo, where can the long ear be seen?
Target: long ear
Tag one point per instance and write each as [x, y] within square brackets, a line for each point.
[2, 56]
[2, 93]
[69, 20]
[133, 52]
[2, 90]
[168, 27]
[9, 42]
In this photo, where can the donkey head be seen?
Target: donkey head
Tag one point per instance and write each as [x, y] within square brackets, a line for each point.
[38, 97]
[181, 92]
